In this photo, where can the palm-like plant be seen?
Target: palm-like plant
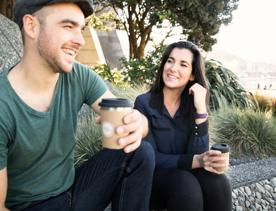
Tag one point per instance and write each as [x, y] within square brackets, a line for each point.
[224, 87]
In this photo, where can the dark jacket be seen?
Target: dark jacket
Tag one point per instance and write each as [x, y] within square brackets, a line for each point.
[175, 140]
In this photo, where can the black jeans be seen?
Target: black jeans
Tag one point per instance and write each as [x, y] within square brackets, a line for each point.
[109, 176]
[195, 190]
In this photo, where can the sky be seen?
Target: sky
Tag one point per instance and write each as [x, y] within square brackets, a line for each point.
[252, 32]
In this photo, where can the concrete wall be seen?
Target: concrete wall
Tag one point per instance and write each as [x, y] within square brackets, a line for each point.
[91, 53]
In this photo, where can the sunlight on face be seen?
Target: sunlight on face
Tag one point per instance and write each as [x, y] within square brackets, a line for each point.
[60, 36]
[177, 70]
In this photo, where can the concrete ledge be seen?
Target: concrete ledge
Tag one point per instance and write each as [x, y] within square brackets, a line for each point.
[247, 173]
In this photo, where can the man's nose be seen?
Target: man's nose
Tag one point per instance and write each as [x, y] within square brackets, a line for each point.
[79, 39]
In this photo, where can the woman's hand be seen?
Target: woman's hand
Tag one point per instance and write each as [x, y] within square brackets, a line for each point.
[199, 93]
[212, 161]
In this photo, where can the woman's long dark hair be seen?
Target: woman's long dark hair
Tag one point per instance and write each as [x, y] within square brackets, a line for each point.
[198, 69]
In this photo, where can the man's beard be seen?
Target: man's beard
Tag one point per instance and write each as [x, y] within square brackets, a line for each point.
[51, 58]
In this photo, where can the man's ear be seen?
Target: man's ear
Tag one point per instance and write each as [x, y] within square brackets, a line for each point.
[30, 26]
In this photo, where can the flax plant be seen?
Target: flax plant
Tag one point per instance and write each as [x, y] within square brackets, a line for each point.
[248, 132]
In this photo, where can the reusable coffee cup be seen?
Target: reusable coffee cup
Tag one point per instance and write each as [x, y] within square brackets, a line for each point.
[224, 149]
[112, 112]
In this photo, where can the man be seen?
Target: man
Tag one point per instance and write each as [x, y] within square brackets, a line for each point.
[39, 101]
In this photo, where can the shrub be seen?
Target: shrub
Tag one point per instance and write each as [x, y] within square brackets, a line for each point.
[273, 107]
[143, 71]
[88, 138]
[115, 76]
[127, 91]
[247, 131]
[264, 103]
[225, 88]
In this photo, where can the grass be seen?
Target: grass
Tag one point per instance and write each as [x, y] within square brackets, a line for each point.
[88, 138]
[248, 132]
[264, 103]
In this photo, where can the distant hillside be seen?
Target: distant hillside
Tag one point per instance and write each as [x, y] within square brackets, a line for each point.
[251, 74]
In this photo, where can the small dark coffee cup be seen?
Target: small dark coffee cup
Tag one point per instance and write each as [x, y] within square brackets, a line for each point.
[223, 148]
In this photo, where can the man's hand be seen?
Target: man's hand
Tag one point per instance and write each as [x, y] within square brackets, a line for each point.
[136, 126]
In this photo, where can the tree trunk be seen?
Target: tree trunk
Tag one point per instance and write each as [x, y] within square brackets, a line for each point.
[6, 7]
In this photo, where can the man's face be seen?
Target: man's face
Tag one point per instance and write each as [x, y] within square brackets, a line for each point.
[60, 36]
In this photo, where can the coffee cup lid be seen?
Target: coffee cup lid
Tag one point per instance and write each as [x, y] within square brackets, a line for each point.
[115, 102]
[221, 147]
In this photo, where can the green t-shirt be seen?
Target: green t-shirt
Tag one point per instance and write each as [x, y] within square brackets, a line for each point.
[38, 147]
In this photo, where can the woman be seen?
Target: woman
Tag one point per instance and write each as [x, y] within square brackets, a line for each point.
[188, 176]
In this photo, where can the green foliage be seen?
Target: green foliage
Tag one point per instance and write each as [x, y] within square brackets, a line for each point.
[88, 138]
[104, 22]
[143, 71]
[224, 87]
[200, 20]
[134, 72]
[248, 132]
[115, 76]
[128, 91]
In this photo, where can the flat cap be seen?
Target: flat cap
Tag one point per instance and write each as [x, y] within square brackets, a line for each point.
[23, 7]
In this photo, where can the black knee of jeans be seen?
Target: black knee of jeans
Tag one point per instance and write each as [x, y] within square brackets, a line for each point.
[143, 157]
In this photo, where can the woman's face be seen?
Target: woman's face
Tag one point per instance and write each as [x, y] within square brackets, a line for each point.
[177, 70]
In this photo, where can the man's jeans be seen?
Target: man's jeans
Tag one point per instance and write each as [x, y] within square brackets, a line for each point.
[109, 176]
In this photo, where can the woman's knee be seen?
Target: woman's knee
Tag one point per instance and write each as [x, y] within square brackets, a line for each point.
[185, 185]
[217, 191]
[185, 192]
[215, 186]
[219, 183]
